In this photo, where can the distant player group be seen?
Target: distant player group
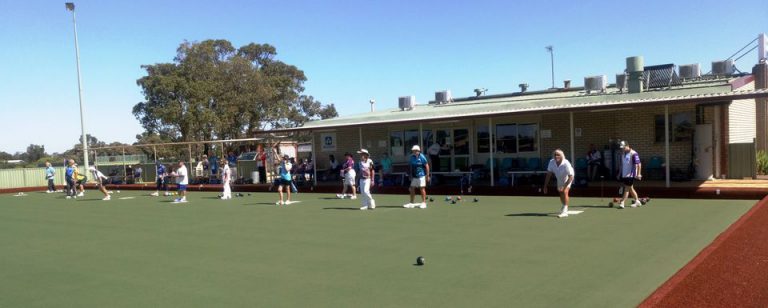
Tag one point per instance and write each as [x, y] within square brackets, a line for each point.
[558, 167]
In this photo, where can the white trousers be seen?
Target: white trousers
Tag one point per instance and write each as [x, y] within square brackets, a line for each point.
[365, 190]
[227, 190]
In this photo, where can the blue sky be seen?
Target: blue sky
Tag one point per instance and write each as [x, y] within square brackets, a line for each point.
[351, 51]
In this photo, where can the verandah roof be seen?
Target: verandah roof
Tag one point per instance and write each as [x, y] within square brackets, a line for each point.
[560, 101]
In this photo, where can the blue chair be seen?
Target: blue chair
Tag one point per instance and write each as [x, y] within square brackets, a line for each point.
[534, 164]
[654, 168]
[581, 165]
[506, 165]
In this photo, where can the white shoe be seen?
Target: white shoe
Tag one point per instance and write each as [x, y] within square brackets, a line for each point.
[166, 194]
[68, 197]
[621, 205]
[279, 203]
[634, 204]
[373, 205]
[562, 215]
[48, 191]
[81, 194]
[155, 194]
[408, 205]
[637, 204]
[107, 198]
[423, 205]
[288, 202]
[364, 208]
[183, 200]
[353, 197]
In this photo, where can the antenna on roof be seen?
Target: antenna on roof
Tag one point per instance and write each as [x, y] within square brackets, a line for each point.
[373, 105]
[480, 92]
[551, 51]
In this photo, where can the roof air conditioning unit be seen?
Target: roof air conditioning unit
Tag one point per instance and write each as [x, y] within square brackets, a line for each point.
[595, 83]
[406, 102]
[690, 71]
[722, 68]
[621, 82]
[443, 97]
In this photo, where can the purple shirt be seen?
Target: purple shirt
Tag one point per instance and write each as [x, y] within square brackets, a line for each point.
[348, 165]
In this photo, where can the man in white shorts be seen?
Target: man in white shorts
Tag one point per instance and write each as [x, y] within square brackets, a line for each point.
[182, 177]
[419, 177]
[563, 171]
[367, 174]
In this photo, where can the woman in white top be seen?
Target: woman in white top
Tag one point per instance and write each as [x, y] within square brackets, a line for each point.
[367, 173]
[563, 171]
[226, 177]
[99, 178]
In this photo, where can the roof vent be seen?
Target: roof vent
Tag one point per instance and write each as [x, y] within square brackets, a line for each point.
[406, 102]
[443, 97]
[635, 70]
[690, 71]
[621, 82]
[722, 68]
[567, 84]
[595, 83]
[523, 87]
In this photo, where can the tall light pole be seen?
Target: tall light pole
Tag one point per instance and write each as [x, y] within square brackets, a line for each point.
[551, 51]
[71, 7]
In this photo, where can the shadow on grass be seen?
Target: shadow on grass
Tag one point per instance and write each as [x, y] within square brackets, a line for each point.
[589, 207]
[342, 208]
[530, 215]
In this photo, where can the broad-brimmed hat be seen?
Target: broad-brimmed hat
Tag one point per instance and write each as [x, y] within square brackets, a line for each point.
[416, 148]
[363, 151]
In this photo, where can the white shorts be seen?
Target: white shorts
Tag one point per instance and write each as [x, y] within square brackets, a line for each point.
[419, 182]
[349, 178]
[561, 184]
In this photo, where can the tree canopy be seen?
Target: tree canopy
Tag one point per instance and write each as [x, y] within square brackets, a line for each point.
[213, 90]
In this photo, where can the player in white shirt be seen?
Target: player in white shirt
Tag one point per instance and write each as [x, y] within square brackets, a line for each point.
[182, 178]
[99, 178]
[226, 176]
[563, 171]
[367, 174]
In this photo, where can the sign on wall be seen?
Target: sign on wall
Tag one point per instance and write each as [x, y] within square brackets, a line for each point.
[328, 142]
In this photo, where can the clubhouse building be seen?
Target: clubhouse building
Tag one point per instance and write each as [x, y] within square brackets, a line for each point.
[685, 125]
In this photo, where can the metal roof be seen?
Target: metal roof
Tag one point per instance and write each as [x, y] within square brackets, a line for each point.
[550, 102]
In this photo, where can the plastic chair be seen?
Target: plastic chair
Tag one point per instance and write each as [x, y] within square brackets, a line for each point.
[506, 165]
[534, 163]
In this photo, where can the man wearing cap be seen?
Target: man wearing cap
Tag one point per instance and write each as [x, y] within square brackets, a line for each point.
[628, 173]
[367, 173]
[419, 177]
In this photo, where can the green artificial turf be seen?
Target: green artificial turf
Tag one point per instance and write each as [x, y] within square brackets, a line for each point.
[323, 252]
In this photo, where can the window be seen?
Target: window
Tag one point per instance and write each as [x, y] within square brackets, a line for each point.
[681, 127]
[396, 143]
[411, 139]
[506, 138]
[426, 137]
[526, 137]
[461, 142]
[483, 139]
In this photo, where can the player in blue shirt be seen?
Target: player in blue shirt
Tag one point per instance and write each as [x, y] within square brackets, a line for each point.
[419, 177]
[50, 174]
[69, 176]
[160, 179]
